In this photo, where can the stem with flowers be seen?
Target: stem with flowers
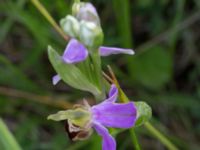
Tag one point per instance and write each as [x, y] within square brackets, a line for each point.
[81, 28]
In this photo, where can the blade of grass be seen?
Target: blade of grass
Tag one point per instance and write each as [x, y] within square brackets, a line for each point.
[12, 76]
[166, 34]
[123, 18]
[160, 136]
[46, 14]
[177, 18]
[7, 140]
[6, 26]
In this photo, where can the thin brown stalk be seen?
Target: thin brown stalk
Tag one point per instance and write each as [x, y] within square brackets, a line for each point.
[43, 99]
[107, 77]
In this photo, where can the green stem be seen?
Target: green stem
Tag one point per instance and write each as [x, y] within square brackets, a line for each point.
[97, 73]
[160, 136]
[46, 14]
[134, 138]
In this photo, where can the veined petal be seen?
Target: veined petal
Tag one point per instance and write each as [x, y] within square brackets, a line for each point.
[90, 8]
[74, 52]
[108, 142]
[115, 115]
[86, 12]
[106, 51]
[56, 79]
[113, 93]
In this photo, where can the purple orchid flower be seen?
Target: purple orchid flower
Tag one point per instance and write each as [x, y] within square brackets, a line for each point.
[76, 52]
[106, 114]
[111, 114]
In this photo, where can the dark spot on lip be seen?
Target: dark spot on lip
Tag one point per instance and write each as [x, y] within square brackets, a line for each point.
[71, 135]
[79, 135]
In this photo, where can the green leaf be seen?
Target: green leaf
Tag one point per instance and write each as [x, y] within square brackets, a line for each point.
[144, 113]
[153, 68]
[7, 141]
[70, 74]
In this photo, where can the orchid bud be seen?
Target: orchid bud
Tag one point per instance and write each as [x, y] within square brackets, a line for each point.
[76, 7]
[70, 25]
[86, 12]
[90, 34]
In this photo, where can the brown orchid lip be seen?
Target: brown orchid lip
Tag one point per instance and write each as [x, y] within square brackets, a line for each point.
[79, 135]
[71, 135]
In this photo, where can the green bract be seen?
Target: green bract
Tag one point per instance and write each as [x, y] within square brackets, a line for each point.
[144, 113]
[71, 74]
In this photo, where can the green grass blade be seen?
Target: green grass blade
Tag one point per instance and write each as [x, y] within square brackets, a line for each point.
[7, 141]
[122, 11]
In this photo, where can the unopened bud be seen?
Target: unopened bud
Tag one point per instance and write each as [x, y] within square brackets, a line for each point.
[90, 34]
[70, 25]
[76, 7]
[86, 12]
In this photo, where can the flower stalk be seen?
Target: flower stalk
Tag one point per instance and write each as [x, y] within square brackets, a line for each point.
[160, 136]
[122, 95]
[96, 60]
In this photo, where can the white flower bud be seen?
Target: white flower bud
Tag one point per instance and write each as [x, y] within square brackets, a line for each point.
[76, 7]
[86, 12]
[70, 26]
[90, 34]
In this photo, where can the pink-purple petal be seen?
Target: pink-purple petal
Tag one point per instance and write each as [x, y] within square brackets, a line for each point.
[87, 8]
[113, 93]
[115, 115]
[106, 51]
[75, 52]
[108, 142]
[56, 79]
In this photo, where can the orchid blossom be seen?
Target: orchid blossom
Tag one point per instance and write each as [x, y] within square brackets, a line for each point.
[108, 113]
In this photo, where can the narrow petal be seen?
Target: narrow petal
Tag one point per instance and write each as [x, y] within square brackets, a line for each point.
[109, 142]
[106, 51]
[115, 115]
[56, 79]
[75, 52]
[113, 93]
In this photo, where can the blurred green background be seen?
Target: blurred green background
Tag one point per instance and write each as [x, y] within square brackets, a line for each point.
[165, 72]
